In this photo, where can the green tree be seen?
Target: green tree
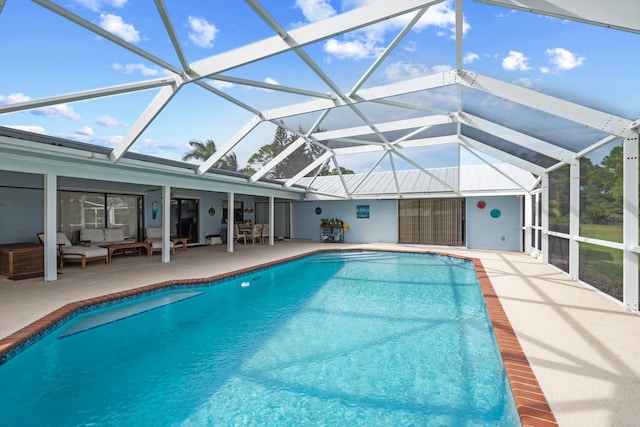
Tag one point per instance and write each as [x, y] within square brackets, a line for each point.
[601, 189]
[334, 171]
[294, 163]
[203, 150]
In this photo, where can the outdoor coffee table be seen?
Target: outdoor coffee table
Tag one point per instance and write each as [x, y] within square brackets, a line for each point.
[123, 247]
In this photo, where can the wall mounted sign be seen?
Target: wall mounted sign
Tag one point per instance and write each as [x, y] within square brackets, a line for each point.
[495, 213]
[482, 204]
[318, 210]
[212, 211]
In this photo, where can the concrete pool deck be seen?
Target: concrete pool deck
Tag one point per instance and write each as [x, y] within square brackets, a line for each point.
[583, 348]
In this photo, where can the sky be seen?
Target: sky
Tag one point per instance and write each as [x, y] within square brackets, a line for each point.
[44, 54]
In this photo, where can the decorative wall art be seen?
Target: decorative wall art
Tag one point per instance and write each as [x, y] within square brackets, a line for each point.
[154, 209]
[362, 211]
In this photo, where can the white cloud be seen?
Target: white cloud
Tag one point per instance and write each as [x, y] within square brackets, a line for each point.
[411, 46]
[271, 81]
[107, 121]
[564, 59]
[524, 82]
[403, 70]
[96, 5]
[114, 24]
[60, 110]
[143, 69]
[370, 41]
[13, 98]
[202, 32]
[470, 58]
[356, 49]
[515, 61]
[219, 84]
[85, 130]
[315, 10]
[545, 70]
[34, 129]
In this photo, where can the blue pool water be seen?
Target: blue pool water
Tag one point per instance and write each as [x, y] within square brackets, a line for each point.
[352, 339]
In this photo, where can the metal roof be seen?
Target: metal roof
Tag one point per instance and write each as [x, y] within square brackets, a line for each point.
[501, 178]
[398, 129]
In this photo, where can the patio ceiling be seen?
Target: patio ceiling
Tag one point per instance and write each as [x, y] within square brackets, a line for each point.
[387, 128]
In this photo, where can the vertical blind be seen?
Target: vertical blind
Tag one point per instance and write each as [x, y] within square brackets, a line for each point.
[282, 217]
[432, 221]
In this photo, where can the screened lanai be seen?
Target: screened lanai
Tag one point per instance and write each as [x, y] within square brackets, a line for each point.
[332, 100]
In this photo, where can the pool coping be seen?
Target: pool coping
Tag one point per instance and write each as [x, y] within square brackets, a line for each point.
[531, 403]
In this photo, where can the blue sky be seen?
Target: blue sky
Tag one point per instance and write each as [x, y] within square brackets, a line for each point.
[44, 55]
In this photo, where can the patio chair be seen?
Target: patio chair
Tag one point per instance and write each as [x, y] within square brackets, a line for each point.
[153, 236]
[76, 253]
[255, 233]
[264, 234]
[237, 235]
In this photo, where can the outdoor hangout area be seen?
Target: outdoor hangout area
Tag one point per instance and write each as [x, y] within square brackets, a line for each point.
[180, 149]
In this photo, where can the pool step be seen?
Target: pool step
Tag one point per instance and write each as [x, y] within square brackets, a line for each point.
[111, 316]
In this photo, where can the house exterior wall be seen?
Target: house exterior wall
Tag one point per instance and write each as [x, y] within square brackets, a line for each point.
[381, 226]
[482, 230]
[486, 232]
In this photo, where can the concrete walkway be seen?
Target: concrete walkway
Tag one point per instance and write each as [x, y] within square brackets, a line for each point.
[584, 349]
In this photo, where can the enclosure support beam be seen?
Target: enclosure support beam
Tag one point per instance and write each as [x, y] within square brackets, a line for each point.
[545, 218]
[574, 219]
[630, 223]
[527, 226]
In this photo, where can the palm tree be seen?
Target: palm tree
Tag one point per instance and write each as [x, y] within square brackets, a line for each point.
[199, 150]
[202, 151]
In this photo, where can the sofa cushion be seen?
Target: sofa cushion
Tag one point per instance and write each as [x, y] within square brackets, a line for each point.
[113, 235]
[93, 235]
[62, 239]
[88, 251]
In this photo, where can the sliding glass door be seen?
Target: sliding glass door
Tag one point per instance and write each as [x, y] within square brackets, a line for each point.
[78, 210]
[432, 221]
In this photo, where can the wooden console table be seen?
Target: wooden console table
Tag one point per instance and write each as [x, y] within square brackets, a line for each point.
[21, 260]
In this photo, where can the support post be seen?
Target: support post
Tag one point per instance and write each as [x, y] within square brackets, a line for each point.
[271, 219]
[574, 219]
[166, 216]
[230, 221]
[630, 223]
[527, 226]
[50, 229]
[545, 218]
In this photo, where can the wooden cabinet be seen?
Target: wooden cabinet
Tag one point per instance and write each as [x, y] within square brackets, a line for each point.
[332, 234]
[21, 260]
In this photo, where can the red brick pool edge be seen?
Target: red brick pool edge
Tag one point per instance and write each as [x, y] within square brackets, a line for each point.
[532, 405]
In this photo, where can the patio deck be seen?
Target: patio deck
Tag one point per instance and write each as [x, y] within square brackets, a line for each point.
[583, 348]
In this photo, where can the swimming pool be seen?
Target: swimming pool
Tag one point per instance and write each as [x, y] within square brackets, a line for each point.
[356, 338]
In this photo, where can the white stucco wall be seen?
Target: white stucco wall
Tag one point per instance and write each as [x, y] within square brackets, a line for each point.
[486, 232]
[381, 226]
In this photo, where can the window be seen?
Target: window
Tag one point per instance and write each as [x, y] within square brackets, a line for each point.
[78, 210]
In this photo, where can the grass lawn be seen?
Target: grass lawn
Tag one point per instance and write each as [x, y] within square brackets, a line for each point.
[610, 232]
